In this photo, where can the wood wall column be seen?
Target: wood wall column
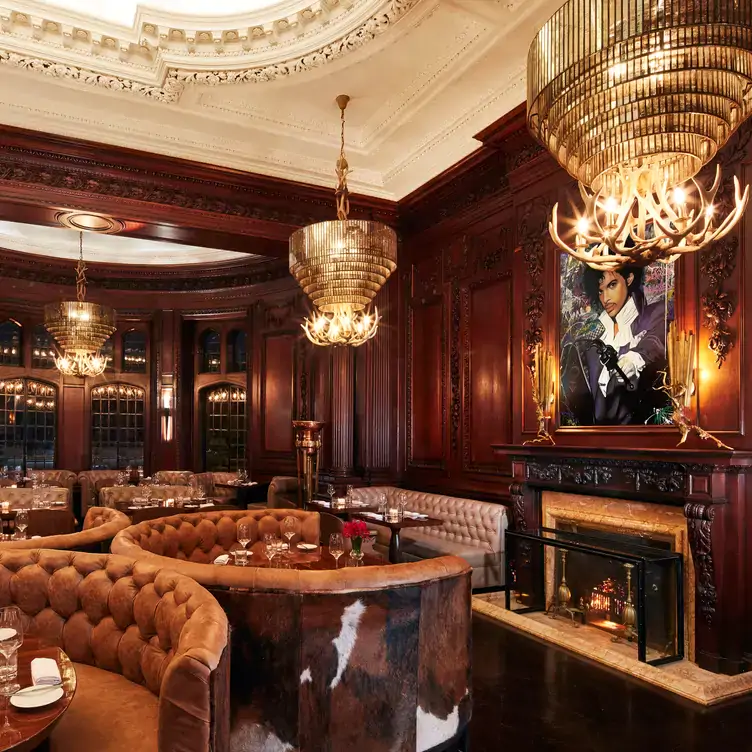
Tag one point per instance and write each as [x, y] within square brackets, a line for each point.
[343, 412]
[165, 455]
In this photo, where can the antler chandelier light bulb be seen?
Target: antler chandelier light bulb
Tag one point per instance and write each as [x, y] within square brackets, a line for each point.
[633, 98]
[341, 265]
[80, 328]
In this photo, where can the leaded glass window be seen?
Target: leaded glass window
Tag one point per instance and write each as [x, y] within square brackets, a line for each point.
[117, 426]
[224, 408]
[10, 344]
[134, 352]
[210, 348]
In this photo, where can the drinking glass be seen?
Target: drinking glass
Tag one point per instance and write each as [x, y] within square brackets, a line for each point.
[331, 491]
[147, 495]
[270, 546]
[11, 638]
[244, 534]
[200, 494]
[140, 472]
[22, 522]
[288, 529]
[382, 505]
[349, 496]
[402, 501]
[242, 476]
[336, 547]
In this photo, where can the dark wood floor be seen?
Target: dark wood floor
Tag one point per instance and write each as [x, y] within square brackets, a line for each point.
[532, 696]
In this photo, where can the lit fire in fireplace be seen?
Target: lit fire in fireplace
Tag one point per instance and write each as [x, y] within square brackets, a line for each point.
[606, 605]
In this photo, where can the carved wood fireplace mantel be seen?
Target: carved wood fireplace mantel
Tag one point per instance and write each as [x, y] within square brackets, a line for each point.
[711, 486]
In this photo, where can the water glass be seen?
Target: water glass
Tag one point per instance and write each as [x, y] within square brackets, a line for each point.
[270, 547]
[22, 522]
[349, 496]
[11, 639]
[336, 547]
[241, 557]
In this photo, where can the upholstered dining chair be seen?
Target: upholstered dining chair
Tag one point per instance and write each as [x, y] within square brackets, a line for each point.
[149, 647]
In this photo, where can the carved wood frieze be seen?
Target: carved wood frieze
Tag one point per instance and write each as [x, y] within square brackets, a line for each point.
[700, 525]
[717, 264]
[533, 234]
[517, 496]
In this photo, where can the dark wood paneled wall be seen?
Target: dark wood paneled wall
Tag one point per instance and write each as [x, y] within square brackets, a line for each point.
[480, 287]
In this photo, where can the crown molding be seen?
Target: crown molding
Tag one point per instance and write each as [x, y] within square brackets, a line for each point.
[160, 55]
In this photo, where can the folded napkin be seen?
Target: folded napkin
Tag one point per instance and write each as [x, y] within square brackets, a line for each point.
[371, 514]
[416, 515]
[222, 559]
[44, 672]
[323, 503]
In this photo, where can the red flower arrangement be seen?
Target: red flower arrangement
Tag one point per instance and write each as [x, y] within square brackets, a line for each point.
[356, 529]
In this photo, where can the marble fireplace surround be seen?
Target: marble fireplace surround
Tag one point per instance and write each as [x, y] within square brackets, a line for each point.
[622, 516]
[708, 493]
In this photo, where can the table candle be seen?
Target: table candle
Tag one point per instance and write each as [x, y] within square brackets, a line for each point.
[169, 502]
[6, 507]
[392, 515]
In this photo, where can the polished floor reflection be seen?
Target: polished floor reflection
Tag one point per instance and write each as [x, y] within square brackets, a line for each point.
[532, 697]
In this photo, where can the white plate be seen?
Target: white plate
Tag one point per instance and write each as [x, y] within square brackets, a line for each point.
[307, 546]
[33, 697]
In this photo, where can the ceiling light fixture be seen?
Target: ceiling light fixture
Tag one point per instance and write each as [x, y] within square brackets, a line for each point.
[341, 265]
[80, 328]
[633, 98]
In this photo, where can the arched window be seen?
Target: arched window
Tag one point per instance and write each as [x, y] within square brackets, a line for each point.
[210, 351]
[10, 343]
[236, 351]
[224, 430]
[117, 426]
[28, 424]
[43, 350]
[134, 352]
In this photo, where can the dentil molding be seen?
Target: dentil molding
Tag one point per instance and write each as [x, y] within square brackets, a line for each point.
[161, 54]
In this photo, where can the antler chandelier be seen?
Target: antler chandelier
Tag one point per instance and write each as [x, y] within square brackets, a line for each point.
[633, 98]
[80, 328]
[341, 265]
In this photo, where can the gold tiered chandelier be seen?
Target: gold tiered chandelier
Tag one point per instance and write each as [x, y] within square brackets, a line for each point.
[80, 328]
[341, 265]
[633, 98]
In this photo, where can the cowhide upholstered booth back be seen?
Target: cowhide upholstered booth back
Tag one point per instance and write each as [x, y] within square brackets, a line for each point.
[373, 658]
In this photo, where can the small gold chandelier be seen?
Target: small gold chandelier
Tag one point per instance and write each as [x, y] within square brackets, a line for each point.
[80, 328]
[341, 265]
[633, 98]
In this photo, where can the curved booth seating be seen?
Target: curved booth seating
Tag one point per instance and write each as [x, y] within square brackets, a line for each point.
[92, 482]
[24, 497]
[100, 527]
[208, 482]
[370, 658]
[58, 478]
[148, 648]
[175, 477]
[282, 493]
[114, 495]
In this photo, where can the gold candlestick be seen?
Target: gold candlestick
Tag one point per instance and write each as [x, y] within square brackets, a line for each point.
[541, 369]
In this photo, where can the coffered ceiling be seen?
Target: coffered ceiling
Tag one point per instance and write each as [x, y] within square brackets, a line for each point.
[254, 89]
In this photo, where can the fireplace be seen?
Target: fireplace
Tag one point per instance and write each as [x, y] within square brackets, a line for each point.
[693, 503]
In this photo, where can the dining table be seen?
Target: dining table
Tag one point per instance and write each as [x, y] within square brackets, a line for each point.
[338, 508]
[250, 492]
[396, 526]
[26, 730]
[319, 559]
[56, 520]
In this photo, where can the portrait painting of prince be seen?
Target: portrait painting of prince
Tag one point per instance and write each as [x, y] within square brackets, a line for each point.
[617, 388]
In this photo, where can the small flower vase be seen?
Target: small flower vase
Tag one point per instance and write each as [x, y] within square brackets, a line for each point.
[356, 552]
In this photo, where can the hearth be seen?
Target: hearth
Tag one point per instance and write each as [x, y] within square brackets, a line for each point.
[627, 585]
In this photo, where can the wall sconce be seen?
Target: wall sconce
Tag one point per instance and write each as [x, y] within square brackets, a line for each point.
[679, 384]
[166, 404]
[541, 370]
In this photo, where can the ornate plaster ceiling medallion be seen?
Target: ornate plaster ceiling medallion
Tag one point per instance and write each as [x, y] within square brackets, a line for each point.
[633, 98]
[93, 222]
[163, 51]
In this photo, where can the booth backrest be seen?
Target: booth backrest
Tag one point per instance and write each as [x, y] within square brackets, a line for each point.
[156, 628]
[175, 477]
[60, 478]
[202, 536]
[114, 495]
[283, 490]
[24, 497]
[100, 527]
[208, 482]
[92, 482]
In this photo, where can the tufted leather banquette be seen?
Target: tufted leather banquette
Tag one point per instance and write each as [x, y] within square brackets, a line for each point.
[208, 482]
[59, 478]
[312, 650]
[283, 490]
[100, 527]
[23, 497]
[92, 482]
[202, 536]
[114, 495]
[147, 645]
[175, 477]
[472, 529]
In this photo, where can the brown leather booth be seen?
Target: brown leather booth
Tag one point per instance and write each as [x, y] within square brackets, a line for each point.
[148, 646]
[368, 658]
[100, 527]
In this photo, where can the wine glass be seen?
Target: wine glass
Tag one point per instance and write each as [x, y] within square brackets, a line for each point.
[270, 546]
[200, 494]
[288, 529]
[22, 522]
[244, 534]
[382, 505]
[331, 491]
[336, 547]
[402, 501]
[349, 496]
[11, 639]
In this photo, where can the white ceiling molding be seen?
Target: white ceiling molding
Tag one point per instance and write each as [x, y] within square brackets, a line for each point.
[420, 91]
[160, 54]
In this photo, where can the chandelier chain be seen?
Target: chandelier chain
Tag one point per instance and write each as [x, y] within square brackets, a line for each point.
[81, 271]
[342, 193]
